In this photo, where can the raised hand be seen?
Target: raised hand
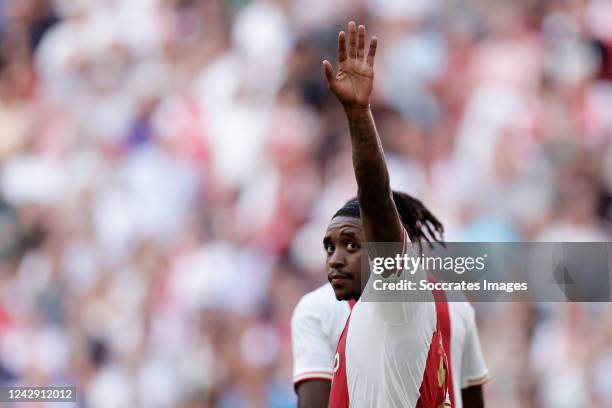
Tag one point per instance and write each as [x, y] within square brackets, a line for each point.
[352, 84]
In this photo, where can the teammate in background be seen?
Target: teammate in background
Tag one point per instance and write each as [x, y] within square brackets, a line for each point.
[318, 320]
[390, 354]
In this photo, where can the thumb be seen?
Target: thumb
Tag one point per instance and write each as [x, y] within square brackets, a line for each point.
[329, 72]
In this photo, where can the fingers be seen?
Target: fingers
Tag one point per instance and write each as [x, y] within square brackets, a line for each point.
[356, 44]
[341, 46]
[329, 72]
[352, 40]
[361, 42]
[372, 51]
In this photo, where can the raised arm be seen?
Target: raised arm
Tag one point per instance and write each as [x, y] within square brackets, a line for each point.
[352, 85]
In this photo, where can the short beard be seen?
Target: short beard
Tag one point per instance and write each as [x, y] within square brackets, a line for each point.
[351, 295]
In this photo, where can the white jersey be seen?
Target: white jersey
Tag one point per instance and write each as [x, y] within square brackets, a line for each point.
[318, 321]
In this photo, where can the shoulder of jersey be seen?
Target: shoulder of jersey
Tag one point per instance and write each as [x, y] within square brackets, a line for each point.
[321, 298]
[463, 310]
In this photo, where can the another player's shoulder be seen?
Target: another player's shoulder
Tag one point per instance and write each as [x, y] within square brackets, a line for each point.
[320, 302]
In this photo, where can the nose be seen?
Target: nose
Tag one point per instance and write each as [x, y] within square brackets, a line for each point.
[337, 259]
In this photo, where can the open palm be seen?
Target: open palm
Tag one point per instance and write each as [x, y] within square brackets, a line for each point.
[353, 82]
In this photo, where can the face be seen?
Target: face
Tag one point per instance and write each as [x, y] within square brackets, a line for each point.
[343, 245]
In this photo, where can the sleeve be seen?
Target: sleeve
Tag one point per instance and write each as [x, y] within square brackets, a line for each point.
[399, 306]
[473, 368]
[313, 355]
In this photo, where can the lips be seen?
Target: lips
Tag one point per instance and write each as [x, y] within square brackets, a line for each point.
[338, 277]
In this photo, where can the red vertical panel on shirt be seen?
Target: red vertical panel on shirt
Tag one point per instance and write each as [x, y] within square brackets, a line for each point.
[443, 314]
[339, 396]
[436, 388]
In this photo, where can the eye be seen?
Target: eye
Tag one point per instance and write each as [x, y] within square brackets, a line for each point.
[351, 246]
[329, 249]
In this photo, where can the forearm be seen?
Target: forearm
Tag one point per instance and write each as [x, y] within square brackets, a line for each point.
[374, 189]
[368, 159]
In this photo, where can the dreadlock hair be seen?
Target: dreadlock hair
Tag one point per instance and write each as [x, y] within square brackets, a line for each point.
[420, 223]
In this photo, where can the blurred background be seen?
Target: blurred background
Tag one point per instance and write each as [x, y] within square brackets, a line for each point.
[168, 168]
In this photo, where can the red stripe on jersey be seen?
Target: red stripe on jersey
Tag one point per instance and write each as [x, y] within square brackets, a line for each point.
[443, 314]
[339, 396]
[436, 389]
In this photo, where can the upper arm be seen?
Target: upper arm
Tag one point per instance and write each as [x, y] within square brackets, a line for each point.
[472, 397]
[313, 393]
[401, 306]
[313, 353]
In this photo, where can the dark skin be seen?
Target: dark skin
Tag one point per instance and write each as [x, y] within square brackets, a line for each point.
[472, 397]
[380, 222]
[313, 393]
[343, 242]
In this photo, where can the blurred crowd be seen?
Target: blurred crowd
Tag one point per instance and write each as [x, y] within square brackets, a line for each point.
[168, 168]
